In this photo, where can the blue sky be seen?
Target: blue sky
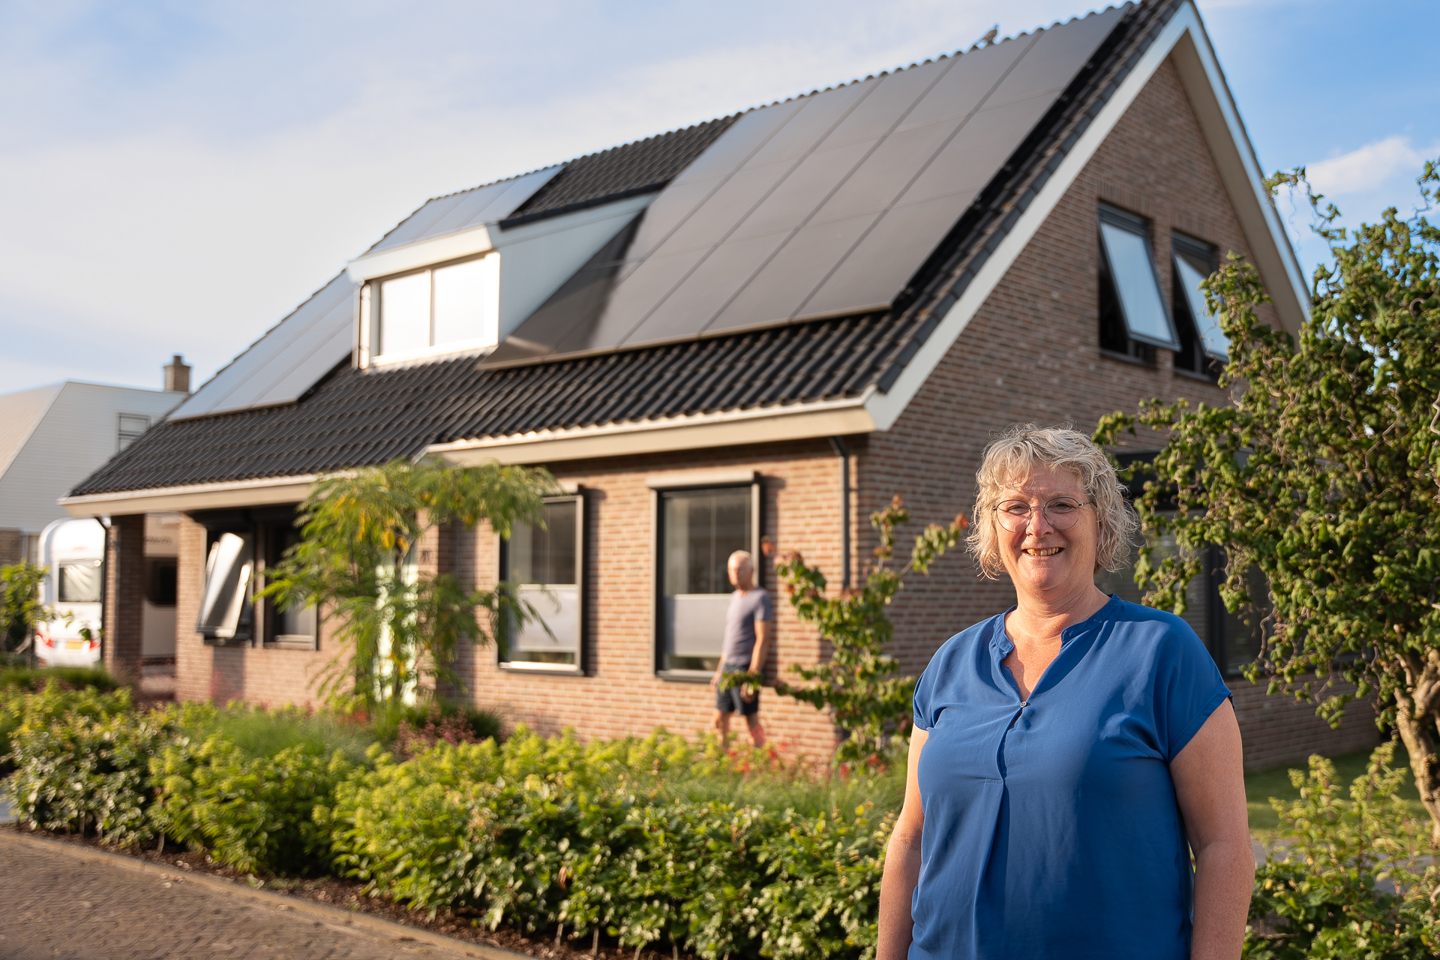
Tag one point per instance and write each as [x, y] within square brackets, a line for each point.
[176, 177]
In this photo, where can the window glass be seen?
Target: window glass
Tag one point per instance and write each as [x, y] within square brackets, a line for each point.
[542, 563]
[405, 314]
[224, 610]
[699, 531]
[1244, 629]
[1197, 591]
[160, 585]
[80, 582]
[1189, 278]
[295, 628]
[1133, 273]
[132, 425]
[463, 311]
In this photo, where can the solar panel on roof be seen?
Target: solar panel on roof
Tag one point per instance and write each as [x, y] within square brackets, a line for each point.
[460, 211]
[829, 203]
[287, 361]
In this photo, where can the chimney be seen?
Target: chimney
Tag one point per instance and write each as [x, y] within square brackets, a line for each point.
[177, 375]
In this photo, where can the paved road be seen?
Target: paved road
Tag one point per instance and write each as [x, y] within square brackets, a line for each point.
[63, 902]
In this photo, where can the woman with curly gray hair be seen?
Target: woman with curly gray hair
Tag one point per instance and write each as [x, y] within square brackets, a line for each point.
[1069, 754]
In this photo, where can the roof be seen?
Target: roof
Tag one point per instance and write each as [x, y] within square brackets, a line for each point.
[357, 417]
[361, 417]
[20, 414]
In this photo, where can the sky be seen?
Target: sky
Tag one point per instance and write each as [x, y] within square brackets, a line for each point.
[175, 177]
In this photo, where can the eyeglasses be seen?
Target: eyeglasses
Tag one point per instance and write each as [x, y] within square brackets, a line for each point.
[1060, 512]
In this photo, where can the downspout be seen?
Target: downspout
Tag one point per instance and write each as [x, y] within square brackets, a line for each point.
[843, 452]
[104, 584]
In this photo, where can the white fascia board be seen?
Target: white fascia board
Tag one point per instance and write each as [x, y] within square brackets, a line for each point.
[484, 238]
[1273, 255]
[423, 253]
[800, 422]
[200, 496]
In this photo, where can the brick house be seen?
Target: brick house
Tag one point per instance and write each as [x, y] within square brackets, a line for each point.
[763, 326]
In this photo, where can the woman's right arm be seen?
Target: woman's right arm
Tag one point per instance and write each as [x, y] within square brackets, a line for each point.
[902, 862]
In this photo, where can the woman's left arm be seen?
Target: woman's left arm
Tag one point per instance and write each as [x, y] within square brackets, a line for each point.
[1210, 786]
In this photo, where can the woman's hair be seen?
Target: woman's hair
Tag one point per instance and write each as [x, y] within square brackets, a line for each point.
[1023, 449]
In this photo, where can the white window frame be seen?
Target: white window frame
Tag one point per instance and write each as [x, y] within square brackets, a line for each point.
[700, 480]
[1126, 296]
[372, 319]
[535, 594]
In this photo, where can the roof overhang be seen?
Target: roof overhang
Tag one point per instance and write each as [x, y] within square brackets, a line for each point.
[1184, 39]
[200, 496]
[701, 431]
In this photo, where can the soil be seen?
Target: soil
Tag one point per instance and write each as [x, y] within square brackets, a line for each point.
[350, 895]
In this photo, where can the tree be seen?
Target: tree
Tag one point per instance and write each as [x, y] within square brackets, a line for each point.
[1322, 473]
[356, 562]
[860, 684]
[20, 608]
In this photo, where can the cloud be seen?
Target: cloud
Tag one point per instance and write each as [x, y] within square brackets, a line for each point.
[1368, 168]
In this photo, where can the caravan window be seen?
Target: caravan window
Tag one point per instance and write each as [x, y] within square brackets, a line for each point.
[545, 564]
[224, 599]
[80, 582]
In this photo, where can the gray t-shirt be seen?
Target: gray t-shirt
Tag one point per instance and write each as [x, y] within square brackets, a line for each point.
[740, 619]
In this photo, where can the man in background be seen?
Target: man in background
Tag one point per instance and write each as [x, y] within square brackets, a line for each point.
[749, 625]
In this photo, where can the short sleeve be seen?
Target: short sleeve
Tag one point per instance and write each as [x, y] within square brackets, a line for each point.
[765, 609]
[1188, 689]
[924, 694]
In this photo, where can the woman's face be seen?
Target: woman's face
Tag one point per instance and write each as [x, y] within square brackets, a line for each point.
[1042, 561]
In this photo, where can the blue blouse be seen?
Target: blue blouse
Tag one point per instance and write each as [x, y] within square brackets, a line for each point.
[1051, 824]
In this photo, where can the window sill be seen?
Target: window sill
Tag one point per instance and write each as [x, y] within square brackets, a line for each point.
[1126, 358]
[685, 676]
[294, 641]
[1196, 375]
[529, 666]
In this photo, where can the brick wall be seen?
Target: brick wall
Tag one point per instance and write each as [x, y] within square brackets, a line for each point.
[1279, 732]
[125, 594]
[259, 675]
[12, 549]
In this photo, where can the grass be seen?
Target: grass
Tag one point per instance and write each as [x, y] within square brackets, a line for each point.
[1261, 786]
[33, 679]
[804, 792]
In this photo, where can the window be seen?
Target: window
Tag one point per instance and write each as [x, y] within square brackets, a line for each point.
[698, 530]
[1133, 318]
[454, 307]
[132, 425]
[225, 599]
[296, 628]
[80, 582]
[546, 565]
[160, 582]
[1203, 348]
[1233, 639]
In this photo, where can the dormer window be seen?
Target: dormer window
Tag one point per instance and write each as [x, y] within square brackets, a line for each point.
[437, 310]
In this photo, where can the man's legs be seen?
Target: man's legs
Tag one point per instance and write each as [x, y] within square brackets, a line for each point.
[757, 732]
[721, 722]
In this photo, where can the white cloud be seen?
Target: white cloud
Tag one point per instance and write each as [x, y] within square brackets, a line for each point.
[1367, 168]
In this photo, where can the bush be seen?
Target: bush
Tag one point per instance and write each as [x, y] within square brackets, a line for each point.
[1325, 894]
[432, 720]
[34, 679]
[543, 832]
[253, 813]
[51, 702]
[81, 763]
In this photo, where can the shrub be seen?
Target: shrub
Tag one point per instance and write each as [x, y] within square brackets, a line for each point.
[450, 721]
[538, 833]
[81, 763]
[33, 679]
[1324, 895]
[251, 812]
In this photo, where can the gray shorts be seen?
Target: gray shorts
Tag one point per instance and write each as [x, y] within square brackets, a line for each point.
[730, 701]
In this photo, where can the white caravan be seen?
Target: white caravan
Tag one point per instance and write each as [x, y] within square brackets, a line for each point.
[74, 552]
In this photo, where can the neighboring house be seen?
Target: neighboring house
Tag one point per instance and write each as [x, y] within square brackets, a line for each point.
[754, 330]
[51, 438]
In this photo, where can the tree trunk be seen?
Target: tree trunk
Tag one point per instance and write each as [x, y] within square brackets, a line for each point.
[1415, 719]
